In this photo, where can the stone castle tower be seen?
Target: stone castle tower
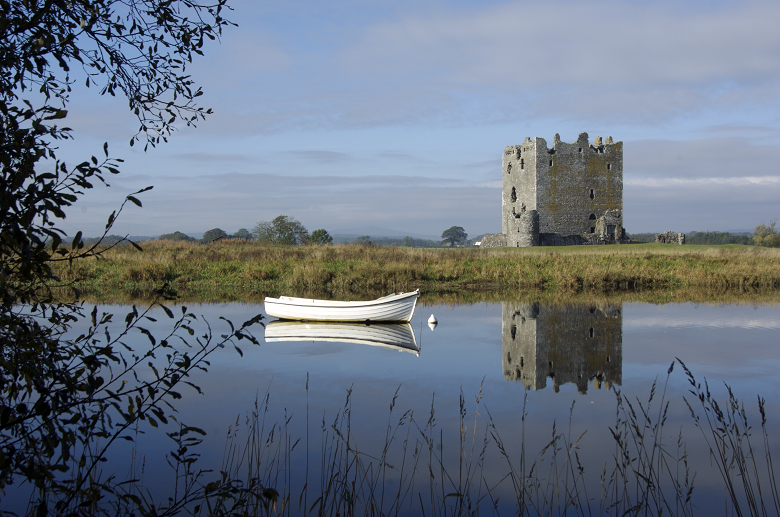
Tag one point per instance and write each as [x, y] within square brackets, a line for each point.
[570, 194]
[568, 343]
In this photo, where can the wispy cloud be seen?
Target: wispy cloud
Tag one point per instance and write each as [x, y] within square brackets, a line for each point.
[693, 182]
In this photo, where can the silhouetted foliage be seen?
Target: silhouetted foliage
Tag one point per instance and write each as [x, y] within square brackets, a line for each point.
[66, 397]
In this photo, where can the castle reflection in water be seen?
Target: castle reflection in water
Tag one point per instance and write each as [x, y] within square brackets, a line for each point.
[567, 343]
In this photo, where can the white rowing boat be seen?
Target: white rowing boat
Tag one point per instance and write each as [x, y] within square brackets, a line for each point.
[394, 336]
[395, 307]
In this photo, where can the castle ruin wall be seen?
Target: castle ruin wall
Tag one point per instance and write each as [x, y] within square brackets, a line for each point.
[570, 187]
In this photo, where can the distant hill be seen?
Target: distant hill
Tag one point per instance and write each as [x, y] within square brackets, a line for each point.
[376, 231]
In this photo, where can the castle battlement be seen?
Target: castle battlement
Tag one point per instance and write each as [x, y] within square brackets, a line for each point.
[567, 194]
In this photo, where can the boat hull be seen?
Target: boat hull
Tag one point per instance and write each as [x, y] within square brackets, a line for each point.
[393, 308]
[393, 336]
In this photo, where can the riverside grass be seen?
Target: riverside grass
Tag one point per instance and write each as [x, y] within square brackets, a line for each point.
[249, 271]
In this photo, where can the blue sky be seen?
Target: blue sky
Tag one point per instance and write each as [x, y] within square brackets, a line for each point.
[395, 114]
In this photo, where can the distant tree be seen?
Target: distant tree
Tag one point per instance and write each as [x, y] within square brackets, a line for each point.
[407, 242]
[766, 235]
[176, 236]
[363, 239]
[282, 230]
[321, 237]
[455, 235]
[243, 233]
[212, 235]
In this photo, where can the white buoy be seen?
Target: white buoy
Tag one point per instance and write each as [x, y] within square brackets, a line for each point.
[432, 322]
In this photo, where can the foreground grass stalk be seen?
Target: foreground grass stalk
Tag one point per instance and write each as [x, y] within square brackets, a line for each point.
[646, 475]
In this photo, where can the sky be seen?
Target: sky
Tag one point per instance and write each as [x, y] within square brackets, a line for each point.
[346, 114]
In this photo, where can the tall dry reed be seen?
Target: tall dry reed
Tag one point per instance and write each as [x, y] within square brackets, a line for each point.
[415, 471]
[239, 270]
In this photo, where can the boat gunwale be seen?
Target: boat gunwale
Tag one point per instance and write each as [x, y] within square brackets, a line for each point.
[336, 304]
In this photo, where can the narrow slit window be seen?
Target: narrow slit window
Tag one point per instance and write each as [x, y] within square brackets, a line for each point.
[509, 168]
[550, 163]
[579, 150]
[522, 165]
[592, 194]
[591, 332]
[513, 196]
[609, 166]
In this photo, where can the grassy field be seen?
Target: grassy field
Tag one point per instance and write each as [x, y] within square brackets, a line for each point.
[250, 271]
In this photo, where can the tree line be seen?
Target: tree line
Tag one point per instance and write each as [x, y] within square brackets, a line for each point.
[286, 230]
[763, 235]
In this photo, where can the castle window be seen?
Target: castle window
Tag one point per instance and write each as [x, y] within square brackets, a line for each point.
[513, 197]
[521, 362]
[592, 194]
[592, 229]
[509, 168]
[579, 150]
[592, 217]
[591, 332]
[550, 163]
[609, 166]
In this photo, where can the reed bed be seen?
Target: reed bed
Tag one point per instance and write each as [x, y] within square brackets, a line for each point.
[241, 270]
[421, 470]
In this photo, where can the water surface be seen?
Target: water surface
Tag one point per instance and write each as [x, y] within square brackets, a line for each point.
[557, 363]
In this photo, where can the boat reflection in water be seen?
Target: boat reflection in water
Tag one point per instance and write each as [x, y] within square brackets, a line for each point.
[567, 343]
[394, 336]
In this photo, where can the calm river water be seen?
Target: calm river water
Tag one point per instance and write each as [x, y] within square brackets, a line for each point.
[556, 361]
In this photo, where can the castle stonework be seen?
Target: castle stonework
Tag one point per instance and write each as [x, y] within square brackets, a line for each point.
[570, 194]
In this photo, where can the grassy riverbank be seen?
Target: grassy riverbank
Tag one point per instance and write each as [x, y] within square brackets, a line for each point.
[246, 271]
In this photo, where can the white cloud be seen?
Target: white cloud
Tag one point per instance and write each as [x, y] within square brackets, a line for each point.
[693, 182]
